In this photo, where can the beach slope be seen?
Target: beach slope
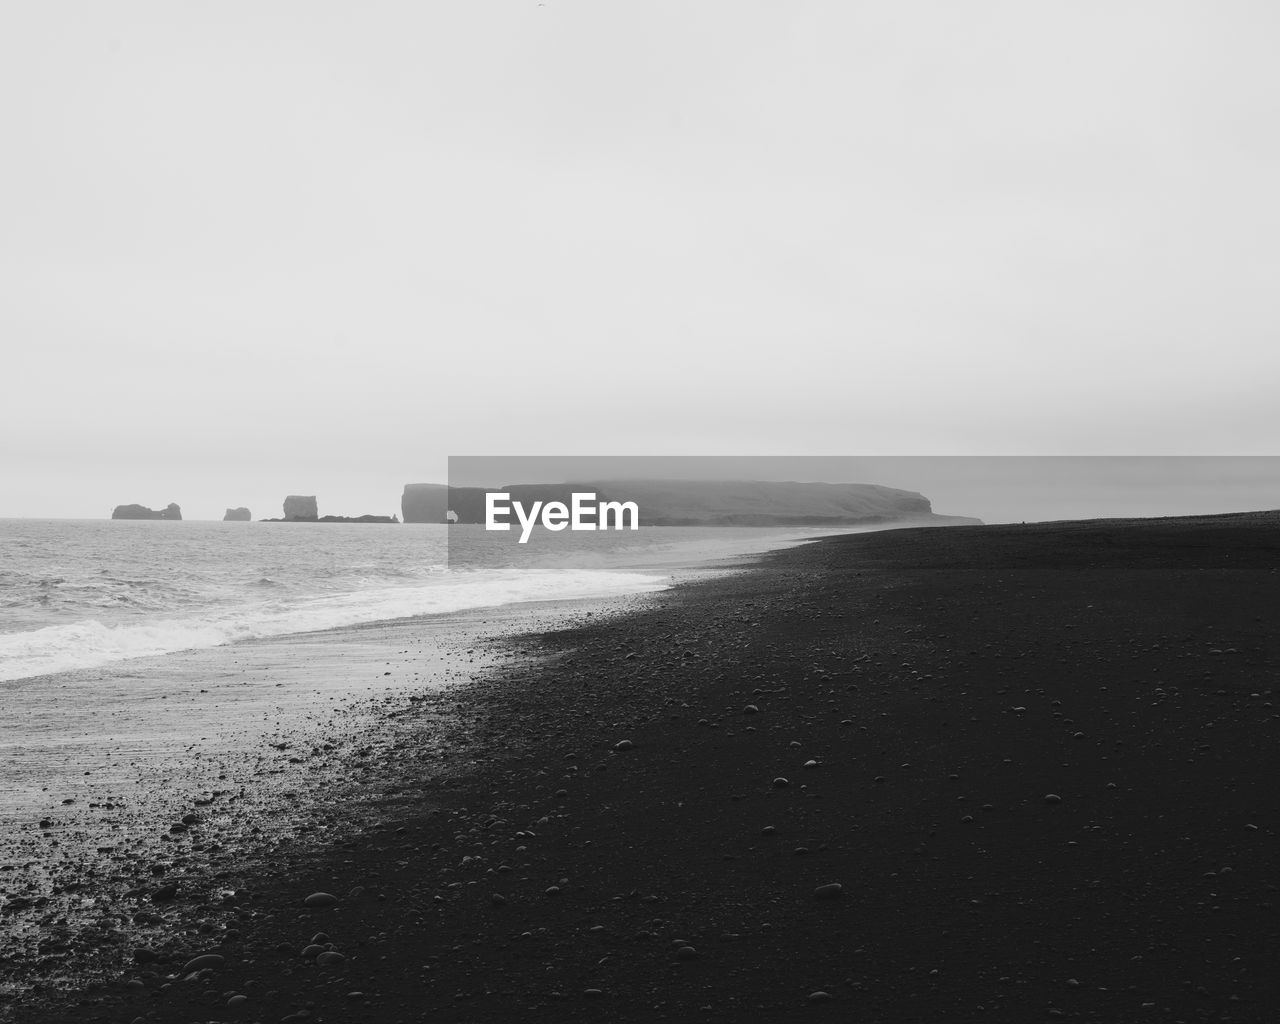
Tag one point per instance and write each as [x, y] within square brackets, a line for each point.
[1000, 773]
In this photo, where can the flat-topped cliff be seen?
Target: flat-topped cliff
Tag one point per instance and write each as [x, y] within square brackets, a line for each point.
[698, 502]
[170, 511]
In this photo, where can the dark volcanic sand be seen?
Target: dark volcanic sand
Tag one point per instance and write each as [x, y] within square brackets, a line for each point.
[943, 682]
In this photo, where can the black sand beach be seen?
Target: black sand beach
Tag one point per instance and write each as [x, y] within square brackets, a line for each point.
[976, 773]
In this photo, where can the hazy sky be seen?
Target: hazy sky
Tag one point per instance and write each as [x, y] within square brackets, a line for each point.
[248, 249]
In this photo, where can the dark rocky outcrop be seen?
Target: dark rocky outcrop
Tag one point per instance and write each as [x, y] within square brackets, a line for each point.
[301, 508]
[170, 511]
[237, 515]
[698, 502]
[425, 503]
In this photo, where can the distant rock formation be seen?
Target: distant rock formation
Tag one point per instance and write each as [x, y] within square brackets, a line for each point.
[170, 511]
[237, 515]
[301, 508]
[698, 502]
[424, 503]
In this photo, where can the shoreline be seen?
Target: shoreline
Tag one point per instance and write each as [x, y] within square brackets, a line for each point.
[518, 865]
[291, 708]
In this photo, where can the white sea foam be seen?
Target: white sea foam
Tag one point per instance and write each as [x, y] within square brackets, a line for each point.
[89, 642]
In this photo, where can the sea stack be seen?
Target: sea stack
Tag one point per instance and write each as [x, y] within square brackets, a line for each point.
[170, 511]
[237, 515]
[301, 508]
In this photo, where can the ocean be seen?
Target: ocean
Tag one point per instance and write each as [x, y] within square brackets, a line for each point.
[78, 594]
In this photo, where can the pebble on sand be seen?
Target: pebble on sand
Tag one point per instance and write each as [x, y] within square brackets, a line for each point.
[829, 891]
[320, 899]
[1052, 798]
[204, 961]
[623, 745]
[329, 957]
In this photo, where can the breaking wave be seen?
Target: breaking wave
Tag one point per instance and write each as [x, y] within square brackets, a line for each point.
[88, 642]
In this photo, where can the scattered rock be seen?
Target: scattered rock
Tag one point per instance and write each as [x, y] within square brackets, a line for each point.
[206, 961]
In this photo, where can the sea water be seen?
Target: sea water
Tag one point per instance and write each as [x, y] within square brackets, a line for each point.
[133, 652]
[75, 594]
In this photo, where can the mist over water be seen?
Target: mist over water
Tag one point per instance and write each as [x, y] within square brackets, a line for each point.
[75, 594]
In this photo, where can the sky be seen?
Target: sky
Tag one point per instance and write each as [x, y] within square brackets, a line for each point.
[254, 249]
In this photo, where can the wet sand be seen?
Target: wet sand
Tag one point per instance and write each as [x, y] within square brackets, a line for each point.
[257, 740]
[1036, 764]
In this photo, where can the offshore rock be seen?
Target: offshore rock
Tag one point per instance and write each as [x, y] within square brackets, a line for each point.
[170, 511]
[301, 508]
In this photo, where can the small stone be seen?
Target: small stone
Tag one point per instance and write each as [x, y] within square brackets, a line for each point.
[820, 997]
[830, 891]
[319, 900]
[811, 763]
[237, 1000]
[329, 957]
[312, 951]
[205, 961]
[751, 709]
[624, 745]
[686, 953]
[781, 783]
[1052, 798]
